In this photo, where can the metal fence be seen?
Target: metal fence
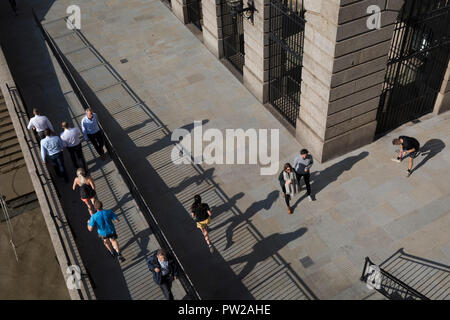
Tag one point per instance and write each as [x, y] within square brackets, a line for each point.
[233, 37]
[287, 25]
[418, 58]
[388, 285]
[44, 179]
[194, 12]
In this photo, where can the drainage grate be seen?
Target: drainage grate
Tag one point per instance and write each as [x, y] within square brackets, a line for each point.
[306, 262]
[124, 60]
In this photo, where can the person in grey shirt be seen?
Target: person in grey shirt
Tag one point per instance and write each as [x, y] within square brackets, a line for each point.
[302, 165]
[52, 146]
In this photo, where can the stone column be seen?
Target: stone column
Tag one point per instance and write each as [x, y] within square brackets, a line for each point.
[344, 65]
[256, 36]
[180, 10]
[443, 99]
[212, 27]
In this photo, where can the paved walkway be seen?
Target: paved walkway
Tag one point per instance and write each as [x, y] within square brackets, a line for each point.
[365, 205]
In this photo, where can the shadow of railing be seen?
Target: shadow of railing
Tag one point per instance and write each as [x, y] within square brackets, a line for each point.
[275, 271]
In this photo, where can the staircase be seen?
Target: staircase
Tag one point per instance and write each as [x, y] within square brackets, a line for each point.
[15, 183]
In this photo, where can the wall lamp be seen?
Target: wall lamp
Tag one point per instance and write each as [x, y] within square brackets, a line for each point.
[237, 7]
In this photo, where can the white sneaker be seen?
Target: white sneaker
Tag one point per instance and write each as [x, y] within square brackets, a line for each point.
[396, 160]
[310, 198]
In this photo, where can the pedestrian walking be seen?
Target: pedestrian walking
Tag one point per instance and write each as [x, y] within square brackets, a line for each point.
[87, 189]
[92, 131]
[104, 221]
[164, 270]
[52, 146]
[302, 166]
[71, 139]
[201, 213]
[409, 147]
[14, 6]
[288, 183]
[38, 124]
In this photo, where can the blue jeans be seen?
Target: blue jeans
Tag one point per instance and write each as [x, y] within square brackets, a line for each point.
[57, 161]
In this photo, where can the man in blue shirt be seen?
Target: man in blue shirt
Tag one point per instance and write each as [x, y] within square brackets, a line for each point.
[52, 146]
[104, 221]
[92, 131]
[302, 166]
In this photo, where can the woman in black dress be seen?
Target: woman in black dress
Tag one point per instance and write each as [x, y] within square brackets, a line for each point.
[87, 189]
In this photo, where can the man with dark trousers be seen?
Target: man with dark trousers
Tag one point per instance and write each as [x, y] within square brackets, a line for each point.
[52, 147]
[71, 139]
[409, 147]
[164, 270]
[302, 164]
[92, 131]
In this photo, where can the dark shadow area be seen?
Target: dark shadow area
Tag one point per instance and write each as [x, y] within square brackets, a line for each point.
[430, 278]
[254, 208]
[430, 149]
[265, 248]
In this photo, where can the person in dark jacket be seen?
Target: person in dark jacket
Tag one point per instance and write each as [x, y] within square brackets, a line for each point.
[164, 270]
[409, 147]
[288, 184]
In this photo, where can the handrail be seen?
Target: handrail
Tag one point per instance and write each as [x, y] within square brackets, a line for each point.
[386, 274]
[142, 204]
[29, 141]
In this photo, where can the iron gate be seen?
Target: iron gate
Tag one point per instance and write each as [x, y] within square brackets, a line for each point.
[287, 25]
[417, 62]
[233, 37]
[194, 11]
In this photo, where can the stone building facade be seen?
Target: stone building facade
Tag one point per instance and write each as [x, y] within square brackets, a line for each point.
[359, 58]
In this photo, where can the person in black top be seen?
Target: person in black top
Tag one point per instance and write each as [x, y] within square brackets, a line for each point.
[87, 189]
[409, 147]
[164, 271]
[201, 213]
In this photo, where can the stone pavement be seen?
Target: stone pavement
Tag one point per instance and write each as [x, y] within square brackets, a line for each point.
[365, 205]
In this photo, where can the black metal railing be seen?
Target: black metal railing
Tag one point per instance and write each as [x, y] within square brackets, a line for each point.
[287, 26]
[233, 37]
[141, 202]
[418, 58]
[390, 286]
[194, 12]
[40, 170]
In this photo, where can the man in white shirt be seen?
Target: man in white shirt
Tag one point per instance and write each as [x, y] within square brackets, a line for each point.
[38, 124]
[71, 140]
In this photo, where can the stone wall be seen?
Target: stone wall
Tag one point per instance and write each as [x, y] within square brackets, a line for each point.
[344, 64]
[443, 98]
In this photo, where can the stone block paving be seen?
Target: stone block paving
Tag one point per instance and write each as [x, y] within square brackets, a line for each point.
[365, 205]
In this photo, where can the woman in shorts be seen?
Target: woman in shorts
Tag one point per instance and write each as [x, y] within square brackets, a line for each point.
[201, 213]
[87, 189]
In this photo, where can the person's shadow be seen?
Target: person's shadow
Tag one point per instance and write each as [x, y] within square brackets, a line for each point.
[264, 249]
[226, 205]
[198, 179]
[429, 150]
[319, 180]
[238, 219]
